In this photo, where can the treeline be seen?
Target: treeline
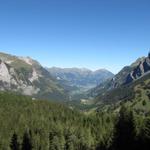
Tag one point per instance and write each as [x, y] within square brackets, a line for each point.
[27, 124]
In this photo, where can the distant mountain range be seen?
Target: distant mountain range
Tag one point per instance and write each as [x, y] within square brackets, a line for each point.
[26, 76]
[82, 78]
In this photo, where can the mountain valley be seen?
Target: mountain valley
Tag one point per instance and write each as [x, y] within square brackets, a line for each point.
[92, 119]
[79, 88]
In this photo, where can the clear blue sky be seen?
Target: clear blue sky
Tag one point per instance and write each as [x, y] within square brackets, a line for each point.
[76, 33]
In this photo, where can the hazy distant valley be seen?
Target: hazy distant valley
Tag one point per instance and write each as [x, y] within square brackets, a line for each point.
[79, 81]
[25, 75]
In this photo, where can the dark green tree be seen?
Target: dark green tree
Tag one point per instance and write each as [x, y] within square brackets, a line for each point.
[143, 141]
[70, 140]
[101, 146]
[26, 144]
[14, 145]
[124, 132]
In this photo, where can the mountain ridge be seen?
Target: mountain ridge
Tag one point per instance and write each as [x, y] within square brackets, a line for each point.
[120, 88]
[125, 76]
[27, 76]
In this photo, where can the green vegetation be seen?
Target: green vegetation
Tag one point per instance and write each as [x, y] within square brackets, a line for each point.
[119, 120]
[135, 92]
[34, 124]
[28, 124]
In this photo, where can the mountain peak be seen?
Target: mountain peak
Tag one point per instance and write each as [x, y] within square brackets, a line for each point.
[128, 74]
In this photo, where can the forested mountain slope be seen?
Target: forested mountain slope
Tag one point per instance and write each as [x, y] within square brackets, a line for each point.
[28, 124]
[43, 125]
[139, 89]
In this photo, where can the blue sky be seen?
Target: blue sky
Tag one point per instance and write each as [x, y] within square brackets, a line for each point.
[76, 33]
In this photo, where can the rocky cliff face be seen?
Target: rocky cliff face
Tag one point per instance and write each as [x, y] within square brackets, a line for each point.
[130, 73]
[141, 69]
[27, 76]
[12, 79]
[127, 75]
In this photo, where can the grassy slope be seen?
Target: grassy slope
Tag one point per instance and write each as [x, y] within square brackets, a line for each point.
[141, 100]
[134, 95]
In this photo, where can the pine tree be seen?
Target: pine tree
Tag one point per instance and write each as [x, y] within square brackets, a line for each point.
[55, 142]
[70, 139]
[144, 137]
[26, 145]
[14, 145]
[124, 132]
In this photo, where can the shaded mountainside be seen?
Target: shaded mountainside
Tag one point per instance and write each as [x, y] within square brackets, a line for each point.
[125, 92]
[140, 70]
[27, 76]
